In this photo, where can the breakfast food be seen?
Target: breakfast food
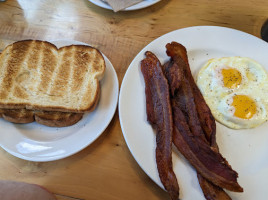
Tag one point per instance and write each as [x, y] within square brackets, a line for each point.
[38, 77]
[56, 118]
[20, 116]
[192, 123]
[48, 118]
[189, 134]
[159, 114]
[236, 90]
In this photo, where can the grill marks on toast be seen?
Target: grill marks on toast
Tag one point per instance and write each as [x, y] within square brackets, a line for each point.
[3, 60]
[34, 57]
[60, 79]
[67, 79]
[34, 67]
[83, 60]
[25, 72]
[71, 69]
[49, 82]
[40, 76]
[76, 60]
[15, 60]
[49, 61]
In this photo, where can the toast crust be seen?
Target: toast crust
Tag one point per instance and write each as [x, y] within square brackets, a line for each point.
[57, 119]
[20, 116]
[36, 75]
[48, 118]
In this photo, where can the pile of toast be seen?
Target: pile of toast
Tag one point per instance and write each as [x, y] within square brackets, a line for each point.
[52, 86]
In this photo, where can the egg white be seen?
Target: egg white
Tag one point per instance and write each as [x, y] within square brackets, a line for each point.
[225, 113]
[254, 84]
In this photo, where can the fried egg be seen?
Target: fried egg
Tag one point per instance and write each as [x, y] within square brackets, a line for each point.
[236, 90]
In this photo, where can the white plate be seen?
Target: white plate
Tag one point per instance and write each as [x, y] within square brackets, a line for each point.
[36, 142]
[246, 150]
[137, 6]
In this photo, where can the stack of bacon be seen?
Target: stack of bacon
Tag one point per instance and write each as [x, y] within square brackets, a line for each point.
[178, 112]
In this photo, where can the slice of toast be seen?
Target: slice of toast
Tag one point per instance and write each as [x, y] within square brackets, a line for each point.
[20, 116]
[57, 119]
[48, 118]
[35, 75]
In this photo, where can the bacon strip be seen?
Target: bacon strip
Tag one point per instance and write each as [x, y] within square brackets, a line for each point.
[188, 107]
[179, 55]
[184, 97]
[208, 163]
[171, 70]
[211, 191]
[159, 114]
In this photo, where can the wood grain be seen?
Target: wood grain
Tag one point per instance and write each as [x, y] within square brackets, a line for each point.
[106, 169]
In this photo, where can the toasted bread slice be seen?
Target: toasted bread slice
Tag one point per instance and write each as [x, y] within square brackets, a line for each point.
[1, 112]
[48, 118]
[20, 116]
[57, 119]
[37, 76]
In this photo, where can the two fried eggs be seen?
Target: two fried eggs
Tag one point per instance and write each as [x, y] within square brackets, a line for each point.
[236, 90]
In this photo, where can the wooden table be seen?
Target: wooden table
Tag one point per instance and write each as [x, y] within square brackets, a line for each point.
[106, 168]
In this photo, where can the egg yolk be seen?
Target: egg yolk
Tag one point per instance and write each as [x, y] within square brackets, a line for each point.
[231, 78]
[244, 106]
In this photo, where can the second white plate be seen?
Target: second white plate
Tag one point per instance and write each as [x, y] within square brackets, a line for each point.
[246, 150]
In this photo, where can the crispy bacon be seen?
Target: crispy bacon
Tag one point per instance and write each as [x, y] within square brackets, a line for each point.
[193, 121]
[211, 191]
[175, 76]
[184, 97]
[208, 163]
[179, 55]
[207, 121]
[159, 114]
